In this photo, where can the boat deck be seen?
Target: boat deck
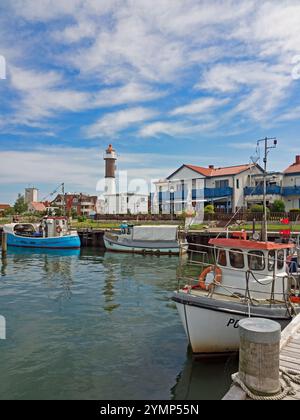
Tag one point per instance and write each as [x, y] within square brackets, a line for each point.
[232, 298]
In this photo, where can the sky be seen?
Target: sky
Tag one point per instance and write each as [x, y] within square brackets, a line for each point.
[167, 82]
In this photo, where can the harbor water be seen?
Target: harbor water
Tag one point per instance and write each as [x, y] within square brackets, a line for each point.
[91, 325]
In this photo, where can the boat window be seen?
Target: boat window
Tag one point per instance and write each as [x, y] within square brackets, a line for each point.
[271, 261]
[256, 260]
[222, 259]
[280, 259]
[237, 258]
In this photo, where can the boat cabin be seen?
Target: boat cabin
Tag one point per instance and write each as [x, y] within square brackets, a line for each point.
[161, 233]
[259, 266]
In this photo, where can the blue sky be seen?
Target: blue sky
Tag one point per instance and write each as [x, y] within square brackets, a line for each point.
[166, 81]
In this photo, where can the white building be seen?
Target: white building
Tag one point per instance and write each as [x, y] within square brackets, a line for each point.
[31, 195]
[283, 186]
[291, 185]
[114, 202]
[190, 185]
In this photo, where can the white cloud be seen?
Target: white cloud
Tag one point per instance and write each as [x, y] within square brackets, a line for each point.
[258, 87]
[126, 94]
[43, 95]
[112, 123]
[199, 106]
[176, 128]
[131, 52]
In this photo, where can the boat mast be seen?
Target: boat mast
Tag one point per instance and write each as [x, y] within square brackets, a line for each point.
[264, 228]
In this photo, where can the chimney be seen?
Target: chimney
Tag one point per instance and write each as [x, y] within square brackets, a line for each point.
[298, 160]
[211, 167]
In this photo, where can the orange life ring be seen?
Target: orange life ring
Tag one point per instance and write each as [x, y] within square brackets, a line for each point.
[58, 229]
[218, 277]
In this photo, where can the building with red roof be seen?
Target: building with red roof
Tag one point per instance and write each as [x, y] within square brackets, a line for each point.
[36, 207]
[291, 185]
[3, 208]
[191, 187]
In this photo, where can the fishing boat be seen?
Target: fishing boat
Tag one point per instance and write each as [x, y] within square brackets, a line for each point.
[50, 233]
[247, 279]
[147, 239]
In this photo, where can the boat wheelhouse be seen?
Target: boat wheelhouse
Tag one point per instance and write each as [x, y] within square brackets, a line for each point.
[247, 279]
[51, 232]
[147, 239]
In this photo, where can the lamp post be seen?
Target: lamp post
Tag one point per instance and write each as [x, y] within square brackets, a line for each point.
[171, 189]
[267, 148]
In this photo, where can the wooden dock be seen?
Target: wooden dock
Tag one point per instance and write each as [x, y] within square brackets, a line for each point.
[289, 359]
[290, 351]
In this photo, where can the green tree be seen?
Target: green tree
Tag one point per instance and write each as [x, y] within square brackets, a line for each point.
[258, 208]
[278, 206]
[209, 209]
[20, 206]
[9, 212]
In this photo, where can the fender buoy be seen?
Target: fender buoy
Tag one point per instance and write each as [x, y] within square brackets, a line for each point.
[295, 299]
[58, 229]
[203, 275]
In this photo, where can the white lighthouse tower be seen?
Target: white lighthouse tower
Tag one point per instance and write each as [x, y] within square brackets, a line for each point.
[110, 158]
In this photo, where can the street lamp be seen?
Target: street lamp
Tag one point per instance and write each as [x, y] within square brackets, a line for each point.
[172, 190]
[267, 147]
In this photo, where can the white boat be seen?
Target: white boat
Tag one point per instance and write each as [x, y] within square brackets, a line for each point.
[146, 239]
[247, 279]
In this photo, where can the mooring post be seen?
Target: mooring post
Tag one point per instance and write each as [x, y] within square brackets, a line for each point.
[260, 355]
[4, 244]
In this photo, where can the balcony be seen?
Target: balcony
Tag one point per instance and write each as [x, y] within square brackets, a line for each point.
[259, 190]
[217, 192]
[288, 191]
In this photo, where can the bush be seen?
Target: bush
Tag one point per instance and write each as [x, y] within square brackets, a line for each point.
[258, 208]
[295, 211]
[81, 219]
[209, 209]
[278, 206]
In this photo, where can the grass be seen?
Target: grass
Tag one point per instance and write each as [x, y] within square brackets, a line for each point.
[276, 227]
[92, 224]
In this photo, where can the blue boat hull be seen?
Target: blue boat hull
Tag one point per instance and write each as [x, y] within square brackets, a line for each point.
[61, 242]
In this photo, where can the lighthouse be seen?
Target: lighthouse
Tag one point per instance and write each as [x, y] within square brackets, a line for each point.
[110, 158]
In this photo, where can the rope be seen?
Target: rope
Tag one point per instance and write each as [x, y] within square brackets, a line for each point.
[288, 378]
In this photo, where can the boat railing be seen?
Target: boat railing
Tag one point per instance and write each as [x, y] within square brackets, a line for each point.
[203, 259]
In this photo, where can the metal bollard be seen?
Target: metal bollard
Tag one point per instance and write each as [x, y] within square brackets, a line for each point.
[260, 355]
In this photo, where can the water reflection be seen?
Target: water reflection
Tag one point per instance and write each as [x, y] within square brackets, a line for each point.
[89, 325]
[204, 379]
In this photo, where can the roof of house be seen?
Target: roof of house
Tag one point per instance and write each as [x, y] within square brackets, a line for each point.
[38, 206]
[4, 206]
[294, 168]
[216, 172]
